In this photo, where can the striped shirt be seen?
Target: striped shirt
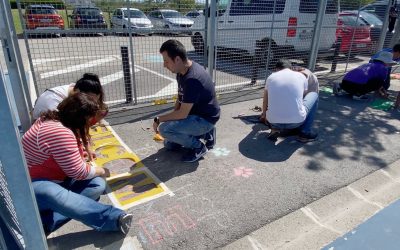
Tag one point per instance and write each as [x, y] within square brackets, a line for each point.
[52, 152]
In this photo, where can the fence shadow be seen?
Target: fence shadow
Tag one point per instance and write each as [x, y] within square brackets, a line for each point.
[342, 123]
[74, 240]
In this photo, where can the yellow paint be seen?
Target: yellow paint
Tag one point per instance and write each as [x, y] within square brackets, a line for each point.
[110, 148]
[160, 101]
[120, 195]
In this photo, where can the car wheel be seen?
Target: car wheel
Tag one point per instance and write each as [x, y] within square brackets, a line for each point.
[198, 43]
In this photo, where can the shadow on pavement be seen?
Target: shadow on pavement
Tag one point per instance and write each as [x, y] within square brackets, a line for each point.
[342, 123]
[256, 146]
[73, 240]
[167, 164]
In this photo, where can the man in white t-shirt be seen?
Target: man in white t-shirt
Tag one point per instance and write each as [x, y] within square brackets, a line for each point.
[286, 103]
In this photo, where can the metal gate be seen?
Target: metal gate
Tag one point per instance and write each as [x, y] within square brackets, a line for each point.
[240, 44]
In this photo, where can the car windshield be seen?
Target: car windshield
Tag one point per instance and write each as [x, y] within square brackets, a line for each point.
[134, 13]
[42, 11]
[371, 18]
[89, 12]
[353, 21]
[171, 14]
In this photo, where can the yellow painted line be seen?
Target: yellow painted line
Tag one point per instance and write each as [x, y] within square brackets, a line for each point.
[133, 187]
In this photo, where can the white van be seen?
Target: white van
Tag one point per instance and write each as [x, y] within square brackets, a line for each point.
[244, 25]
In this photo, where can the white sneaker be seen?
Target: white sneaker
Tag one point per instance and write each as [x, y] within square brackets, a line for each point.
[124, 223]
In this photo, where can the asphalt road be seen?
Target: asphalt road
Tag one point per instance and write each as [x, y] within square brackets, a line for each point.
[57, 61]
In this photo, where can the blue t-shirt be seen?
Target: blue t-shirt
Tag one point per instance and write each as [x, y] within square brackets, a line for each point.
[197, 87]
[375, 70]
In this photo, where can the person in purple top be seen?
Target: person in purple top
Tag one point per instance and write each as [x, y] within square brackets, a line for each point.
[367, 77]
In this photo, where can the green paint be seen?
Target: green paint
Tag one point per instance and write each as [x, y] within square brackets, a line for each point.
[382, 104]
[327, 90]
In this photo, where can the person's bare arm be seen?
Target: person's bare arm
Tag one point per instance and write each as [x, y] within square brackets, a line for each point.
[177, 105]
[178, 114]
[264, 106]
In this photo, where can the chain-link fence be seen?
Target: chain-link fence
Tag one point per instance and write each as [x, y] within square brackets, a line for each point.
[119, 40]
[239, 41]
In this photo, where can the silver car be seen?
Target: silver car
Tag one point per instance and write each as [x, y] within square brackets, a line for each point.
[171, 21]
[134, 19]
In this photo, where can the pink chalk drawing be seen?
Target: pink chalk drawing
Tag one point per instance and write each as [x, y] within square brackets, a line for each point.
[156, 227]
[243, 172]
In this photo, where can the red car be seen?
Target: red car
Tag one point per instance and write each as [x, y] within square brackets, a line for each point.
[350, 28]
[43, 17]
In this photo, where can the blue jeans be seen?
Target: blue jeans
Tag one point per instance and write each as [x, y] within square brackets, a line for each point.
[310, 102]
[75, 199]
[186, 132]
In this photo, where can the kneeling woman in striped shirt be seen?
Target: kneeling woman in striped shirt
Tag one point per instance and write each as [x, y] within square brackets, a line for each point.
[65, 186]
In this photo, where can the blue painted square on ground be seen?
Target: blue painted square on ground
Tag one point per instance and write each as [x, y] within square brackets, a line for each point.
[154, 58]
[382, 231]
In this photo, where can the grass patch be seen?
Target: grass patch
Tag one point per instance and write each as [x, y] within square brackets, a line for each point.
[64, 13]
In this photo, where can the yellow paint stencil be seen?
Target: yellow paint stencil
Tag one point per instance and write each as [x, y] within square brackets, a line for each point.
[130, 183]
[134, 188]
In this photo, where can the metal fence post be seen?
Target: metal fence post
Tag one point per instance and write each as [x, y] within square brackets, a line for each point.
[126, 72]
[316, 34]
[384, 28]
[15, 170]
[211, 37]
[132, 55]
[14, 64]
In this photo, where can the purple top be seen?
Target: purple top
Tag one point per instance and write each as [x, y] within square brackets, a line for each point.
[370, 71]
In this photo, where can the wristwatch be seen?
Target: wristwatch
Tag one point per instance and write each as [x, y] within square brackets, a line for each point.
[157, 119]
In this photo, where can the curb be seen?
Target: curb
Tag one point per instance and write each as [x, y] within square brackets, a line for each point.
[321, 222]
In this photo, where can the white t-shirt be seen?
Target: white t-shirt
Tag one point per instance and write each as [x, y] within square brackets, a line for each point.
[313, 84]
[285, 97]
[50, 99]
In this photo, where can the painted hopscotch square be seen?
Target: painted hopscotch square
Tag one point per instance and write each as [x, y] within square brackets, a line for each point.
[132, 189]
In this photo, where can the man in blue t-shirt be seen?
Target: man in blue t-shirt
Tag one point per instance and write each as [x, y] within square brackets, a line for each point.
[196, 110]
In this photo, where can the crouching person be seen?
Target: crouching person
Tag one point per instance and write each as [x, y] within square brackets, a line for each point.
[287, 104]
[366, 78]
[196, 109]
[65, 185]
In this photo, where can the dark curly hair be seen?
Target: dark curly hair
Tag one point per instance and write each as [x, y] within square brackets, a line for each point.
[74, 112]
[90, 83]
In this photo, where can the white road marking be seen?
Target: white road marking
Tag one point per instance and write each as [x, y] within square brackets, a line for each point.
[155, 73]
[171, 89]
[45, 60]
[77, 67]
[114, 77]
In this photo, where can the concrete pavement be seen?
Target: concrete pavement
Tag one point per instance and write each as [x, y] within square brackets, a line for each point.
[250, 193]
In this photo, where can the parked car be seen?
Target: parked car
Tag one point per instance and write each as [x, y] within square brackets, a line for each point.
[134, 19]
[373, 21]
[378, 8]
[40, 17]
[354, 33]
[194, 14]
[244, 26]
[170, 20]
[87, 18]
